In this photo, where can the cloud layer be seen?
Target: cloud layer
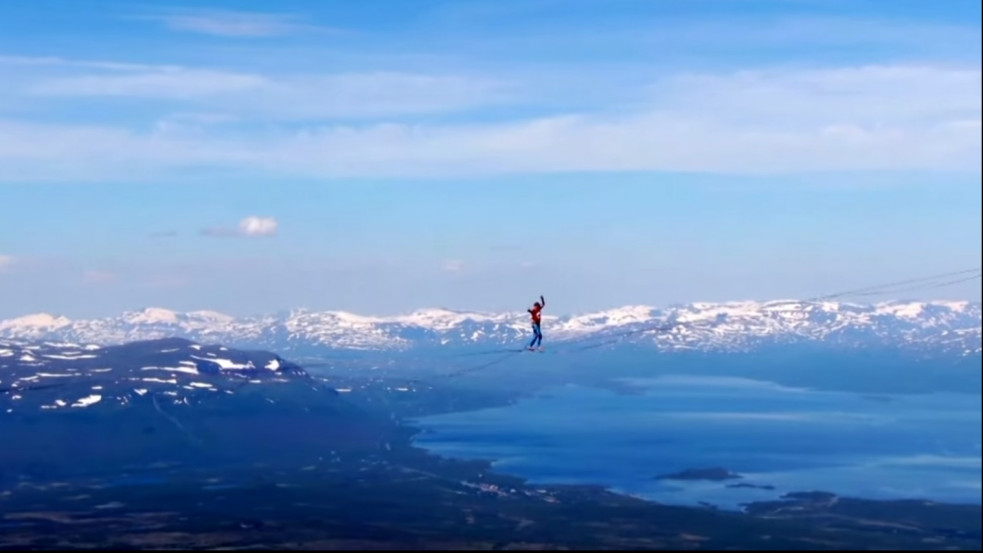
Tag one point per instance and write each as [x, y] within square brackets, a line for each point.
[482, 89]
[897, 117]
[279, 97]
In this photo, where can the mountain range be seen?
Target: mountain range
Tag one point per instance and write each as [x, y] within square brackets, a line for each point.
[949, 326]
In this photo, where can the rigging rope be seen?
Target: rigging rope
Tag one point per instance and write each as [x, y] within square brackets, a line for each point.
[672, 325]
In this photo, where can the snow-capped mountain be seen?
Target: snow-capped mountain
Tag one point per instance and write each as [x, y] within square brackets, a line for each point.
[53, 376]
[71, 409]
[954, 326]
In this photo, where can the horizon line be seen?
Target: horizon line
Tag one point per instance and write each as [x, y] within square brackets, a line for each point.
[418, 310]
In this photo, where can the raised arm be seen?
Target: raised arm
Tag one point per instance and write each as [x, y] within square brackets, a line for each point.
[542, 301]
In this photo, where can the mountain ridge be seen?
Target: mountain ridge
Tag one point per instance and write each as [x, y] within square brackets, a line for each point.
[734, 325]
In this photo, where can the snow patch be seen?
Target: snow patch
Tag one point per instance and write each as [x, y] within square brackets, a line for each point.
[905, 310]
[63, 345]
[227, 364]
[68, 357]
[159, 380]
[87, 401]
[186, 370]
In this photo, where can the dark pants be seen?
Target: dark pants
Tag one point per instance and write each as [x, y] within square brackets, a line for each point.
[537, 338]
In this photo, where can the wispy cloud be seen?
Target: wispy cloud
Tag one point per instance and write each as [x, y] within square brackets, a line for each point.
[97, 277]
[57, 61]
[250, 227]
[749, 122]
[452, 266]
[218, 95]
[176, 83]
[6, 261]
[227, 23]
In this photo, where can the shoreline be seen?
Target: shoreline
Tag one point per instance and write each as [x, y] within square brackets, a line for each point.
[417, 429]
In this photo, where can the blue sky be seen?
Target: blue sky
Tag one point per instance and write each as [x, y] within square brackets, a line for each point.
[380, 156]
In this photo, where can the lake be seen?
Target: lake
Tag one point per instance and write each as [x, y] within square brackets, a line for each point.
[924, 446]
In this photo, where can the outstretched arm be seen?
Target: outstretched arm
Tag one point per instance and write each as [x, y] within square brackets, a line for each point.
[542, 301]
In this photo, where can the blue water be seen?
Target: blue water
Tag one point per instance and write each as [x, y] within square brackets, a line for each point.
[923, 446]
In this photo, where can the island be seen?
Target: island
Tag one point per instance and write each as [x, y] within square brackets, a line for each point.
[714, 473]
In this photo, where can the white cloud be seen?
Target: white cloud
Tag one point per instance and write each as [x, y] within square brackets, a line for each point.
[856, 118]
[258, 226]
[251, 226]
[452, 266]
[177, 83]
[246, 95]
[56, 61]
[232, 23]
[97, 277]
[5, 262]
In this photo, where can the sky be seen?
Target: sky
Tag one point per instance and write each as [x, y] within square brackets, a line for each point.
[381, 156]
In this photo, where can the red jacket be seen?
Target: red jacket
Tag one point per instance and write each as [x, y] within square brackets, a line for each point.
[535, 312]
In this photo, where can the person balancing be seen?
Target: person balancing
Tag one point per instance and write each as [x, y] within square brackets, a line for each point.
[536, 313]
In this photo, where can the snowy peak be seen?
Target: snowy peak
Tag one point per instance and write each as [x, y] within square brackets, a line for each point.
[443, 319]
[160, 316]
[151, 315]
[38, 322]
[733, 325]
[612, 317]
